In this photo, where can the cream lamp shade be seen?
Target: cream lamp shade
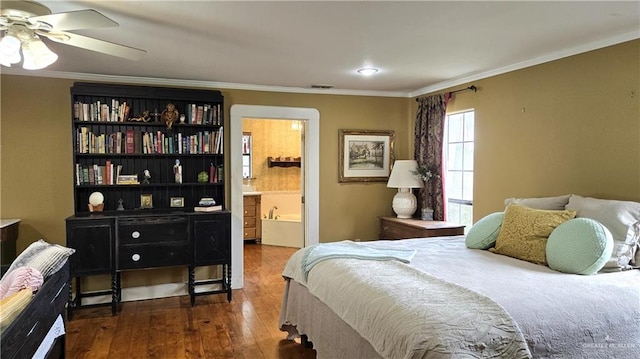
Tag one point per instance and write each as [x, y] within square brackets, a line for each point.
[404, 179]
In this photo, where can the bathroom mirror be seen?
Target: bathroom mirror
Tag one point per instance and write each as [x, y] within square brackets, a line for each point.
[246, 155]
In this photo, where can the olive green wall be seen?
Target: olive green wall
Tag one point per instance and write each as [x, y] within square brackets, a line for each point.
[567, 126]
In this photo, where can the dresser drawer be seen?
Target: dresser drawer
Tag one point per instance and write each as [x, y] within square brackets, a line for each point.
[392, 230]
[249, 233]
[152, 230]
[249, 222]
[396, 228]
[250, 211]
[147, 256]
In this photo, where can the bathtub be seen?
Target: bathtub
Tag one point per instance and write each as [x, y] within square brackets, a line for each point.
[284, 230]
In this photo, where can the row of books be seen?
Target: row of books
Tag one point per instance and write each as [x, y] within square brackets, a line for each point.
[97, 111]
[203, 114]
[156, 142]
[120, 112]
[107, 174]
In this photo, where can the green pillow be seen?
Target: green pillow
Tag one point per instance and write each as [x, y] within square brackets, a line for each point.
[483, 234]
[579, 246]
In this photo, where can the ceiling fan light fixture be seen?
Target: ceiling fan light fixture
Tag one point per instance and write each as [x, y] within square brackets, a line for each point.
[37, 55]
[9, 50]
[9, 45]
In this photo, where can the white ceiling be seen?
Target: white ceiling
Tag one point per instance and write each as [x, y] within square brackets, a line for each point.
[419, 47]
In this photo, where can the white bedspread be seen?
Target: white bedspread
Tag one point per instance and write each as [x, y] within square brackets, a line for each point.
[560, 315]
[405, 313]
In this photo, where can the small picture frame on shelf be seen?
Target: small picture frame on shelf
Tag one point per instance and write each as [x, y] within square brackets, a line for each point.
[177, 202]
[146, 201]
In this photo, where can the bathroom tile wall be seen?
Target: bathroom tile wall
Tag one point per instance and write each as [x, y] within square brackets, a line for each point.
[273, 138]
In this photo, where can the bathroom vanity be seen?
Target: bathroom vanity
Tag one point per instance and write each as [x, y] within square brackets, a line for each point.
[252, 224]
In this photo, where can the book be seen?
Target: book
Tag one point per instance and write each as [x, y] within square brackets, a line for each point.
[108, 169]
[130, 142]
[199, 115]
[127, 179]
[78, 174]
[208, 209]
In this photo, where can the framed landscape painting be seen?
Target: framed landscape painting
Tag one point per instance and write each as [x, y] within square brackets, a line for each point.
[365, 155]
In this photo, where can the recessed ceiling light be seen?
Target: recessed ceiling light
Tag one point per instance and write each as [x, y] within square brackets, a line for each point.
[367, 71]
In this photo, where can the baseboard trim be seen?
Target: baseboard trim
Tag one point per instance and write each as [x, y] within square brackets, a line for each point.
[149, 292]
[142, 293]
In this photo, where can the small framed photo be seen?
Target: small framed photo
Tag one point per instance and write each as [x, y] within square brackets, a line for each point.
[177, 202]
[365, 155]
[146, 201]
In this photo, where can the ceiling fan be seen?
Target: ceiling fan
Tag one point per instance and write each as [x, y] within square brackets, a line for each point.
[24, 22]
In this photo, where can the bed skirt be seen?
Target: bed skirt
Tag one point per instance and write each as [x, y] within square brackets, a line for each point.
[329, 334]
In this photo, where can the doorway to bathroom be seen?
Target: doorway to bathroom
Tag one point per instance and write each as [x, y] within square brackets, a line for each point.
[267, 162]
[272, 174]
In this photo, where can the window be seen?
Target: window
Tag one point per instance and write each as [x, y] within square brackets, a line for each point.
[458, 158]
[246, 155]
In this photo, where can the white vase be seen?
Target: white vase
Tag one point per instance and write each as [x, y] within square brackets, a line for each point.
[427, 214]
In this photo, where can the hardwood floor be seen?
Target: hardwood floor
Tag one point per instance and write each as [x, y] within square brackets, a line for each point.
[170, 328]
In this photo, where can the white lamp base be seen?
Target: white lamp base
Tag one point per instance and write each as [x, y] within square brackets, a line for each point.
[404, 203]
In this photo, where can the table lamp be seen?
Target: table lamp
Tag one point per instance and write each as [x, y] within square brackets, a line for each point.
[404, 179]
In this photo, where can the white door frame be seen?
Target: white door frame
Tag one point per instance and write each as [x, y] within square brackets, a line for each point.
[311, 117]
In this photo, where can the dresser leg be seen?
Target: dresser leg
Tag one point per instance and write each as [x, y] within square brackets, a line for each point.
[228, 282]
[192, 291]
[115, 292]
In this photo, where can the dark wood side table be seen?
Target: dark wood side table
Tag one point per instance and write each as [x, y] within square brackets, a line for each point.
[398, 228]
[9, 230]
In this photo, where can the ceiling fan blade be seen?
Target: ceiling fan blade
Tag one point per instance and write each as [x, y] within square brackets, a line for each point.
[74, 20]
[92, 44]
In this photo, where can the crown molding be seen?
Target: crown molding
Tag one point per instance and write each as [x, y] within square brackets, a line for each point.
[154, 81]
[528, 63]
[301, 90]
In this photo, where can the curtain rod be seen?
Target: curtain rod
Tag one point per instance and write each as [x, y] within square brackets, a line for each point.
[470, 88]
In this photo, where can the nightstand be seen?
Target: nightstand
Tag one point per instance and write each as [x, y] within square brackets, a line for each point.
[398, 228]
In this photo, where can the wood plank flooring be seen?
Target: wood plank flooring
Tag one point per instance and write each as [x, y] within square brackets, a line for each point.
[170, 328]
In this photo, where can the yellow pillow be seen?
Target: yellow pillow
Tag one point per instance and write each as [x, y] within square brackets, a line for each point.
[12, 306]
[525, 231]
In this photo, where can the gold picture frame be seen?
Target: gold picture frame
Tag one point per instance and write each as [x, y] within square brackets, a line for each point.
[365, 155]
[146, 201]
[177, 202]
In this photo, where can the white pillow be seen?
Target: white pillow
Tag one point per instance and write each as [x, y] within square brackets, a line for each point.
[617, 216]
[556, 203]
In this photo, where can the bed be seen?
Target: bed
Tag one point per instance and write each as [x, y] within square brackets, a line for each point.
[477, 304]
[35, 291]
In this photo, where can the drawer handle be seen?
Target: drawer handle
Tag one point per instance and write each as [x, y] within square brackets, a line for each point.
[135, 257]
[135, 235]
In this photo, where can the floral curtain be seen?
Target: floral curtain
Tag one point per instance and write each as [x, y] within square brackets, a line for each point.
[429, 135]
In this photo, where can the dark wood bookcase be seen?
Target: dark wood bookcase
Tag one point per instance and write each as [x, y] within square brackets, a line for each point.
[96, 146]
[118, 135]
